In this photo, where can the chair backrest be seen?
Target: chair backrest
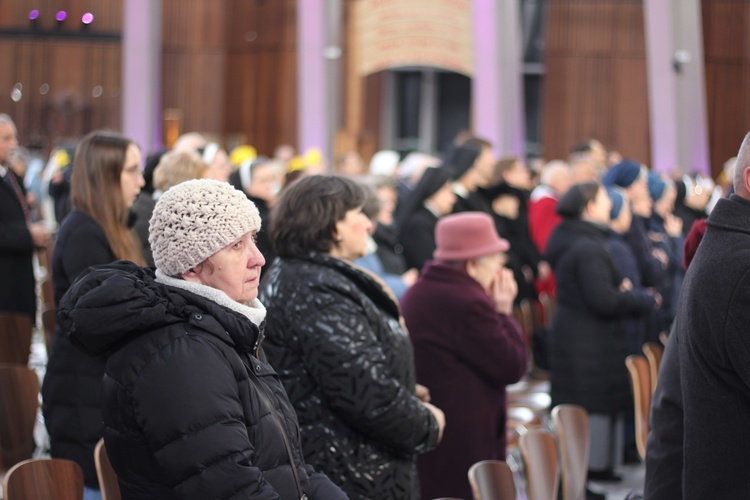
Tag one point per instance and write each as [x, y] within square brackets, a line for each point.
[19, 401]
[654, 353]
[44, 479]
[539, 452]
[15, 338]
[663, 337]
[548, 308]
[572, 425]
[640, 379]
[492, 480]
[49, 322]
[525, 317]
[105, 473]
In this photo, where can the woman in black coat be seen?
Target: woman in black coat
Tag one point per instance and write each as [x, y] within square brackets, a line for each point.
[106, 181]
[431, 199]
[333, 335]
[588, 350]
[191, 407]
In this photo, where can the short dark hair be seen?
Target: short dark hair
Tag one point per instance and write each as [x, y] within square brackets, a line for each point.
[304, 218]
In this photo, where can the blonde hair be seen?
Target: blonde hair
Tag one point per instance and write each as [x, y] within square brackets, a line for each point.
[176, 167]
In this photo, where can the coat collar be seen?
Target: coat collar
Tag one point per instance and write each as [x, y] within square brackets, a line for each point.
[732, 214]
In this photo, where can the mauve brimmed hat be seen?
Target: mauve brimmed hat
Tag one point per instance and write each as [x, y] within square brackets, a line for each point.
[467, 235]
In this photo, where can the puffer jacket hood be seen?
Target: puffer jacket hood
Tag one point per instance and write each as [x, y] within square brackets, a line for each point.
[108, 305]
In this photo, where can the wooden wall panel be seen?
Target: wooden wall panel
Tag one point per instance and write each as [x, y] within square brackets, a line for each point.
[194, 63]
[727, 66]
[595, 82]
[71, 84]
[107, 14]
[261, 74]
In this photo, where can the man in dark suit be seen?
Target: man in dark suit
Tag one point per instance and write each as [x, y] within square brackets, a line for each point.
[18, 235]
[713, 350]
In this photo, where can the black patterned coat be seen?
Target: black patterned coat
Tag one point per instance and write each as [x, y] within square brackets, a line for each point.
[333, 336]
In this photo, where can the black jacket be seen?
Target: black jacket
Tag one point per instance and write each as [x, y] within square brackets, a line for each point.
[184, 417]
[714, 349]
[72, 384]
[335, 339]
[418, 237]
[587, 352]
[664, 448]
[16, 251]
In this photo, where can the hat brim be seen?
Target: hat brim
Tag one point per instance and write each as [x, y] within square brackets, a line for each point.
[498, 245]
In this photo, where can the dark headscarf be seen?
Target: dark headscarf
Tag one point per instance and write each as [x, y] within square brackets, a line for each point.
[461, 159]
[623, 174]
[575, 199]
[432, 180]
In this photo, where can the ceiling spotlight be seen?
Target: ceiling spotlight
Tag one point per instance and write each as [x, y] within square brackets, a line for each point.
[33, 18]
[61, 16]
[87, 18]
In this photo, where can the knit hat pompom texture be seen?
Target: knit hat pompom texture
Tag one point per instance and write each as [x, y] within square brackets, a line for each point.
[194, 220]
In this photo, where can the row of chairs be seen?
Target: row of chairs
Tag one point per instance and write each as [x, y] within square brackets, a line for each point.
[545, 463]
[490, 480]
[58, 479]
[644, 373]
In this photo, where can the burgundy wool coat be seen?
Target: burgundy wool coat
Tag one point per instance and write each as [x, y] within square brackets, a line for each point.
[465, 354]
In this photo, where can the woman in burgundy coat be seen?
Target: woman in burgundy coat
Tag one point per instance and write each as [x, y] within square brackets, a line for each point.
[467, 347]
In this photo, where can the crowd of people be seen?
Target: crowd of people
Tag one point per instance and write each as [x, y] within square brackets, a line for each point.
[238, 326]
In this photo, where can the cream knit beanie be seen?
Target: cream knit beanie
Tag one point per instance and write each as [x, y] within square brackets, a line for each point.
[195, 219]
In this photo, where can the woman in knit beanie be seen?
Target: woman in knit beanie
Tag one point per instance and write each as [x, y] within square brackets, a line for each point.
[191, 408]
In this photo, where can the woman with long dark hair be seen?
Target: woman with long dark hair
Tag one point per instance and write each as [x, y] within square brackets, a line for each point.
[106, 180]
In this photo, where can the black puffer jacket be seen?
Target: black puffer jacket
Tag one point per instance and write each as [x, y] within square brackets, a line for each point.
[334, 337]
[183, 416]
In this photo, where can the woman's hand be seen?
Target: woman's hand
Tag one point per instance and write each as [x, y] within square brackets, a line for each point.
[439, 416]
[503, 291]
[423, 393]
[673, 226]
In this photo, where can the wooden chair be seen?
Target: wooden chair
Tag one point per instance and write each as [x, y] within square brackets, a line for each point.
[15, 338]
[663, 337]
[640, 379]
[19, 401]
[105, 473]
[547, 304]
[572, 425]
[654, 353]
[44, 479]
[539, 452]
[49, 323]
[492, 480]
[525, 317]
[539, 402]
